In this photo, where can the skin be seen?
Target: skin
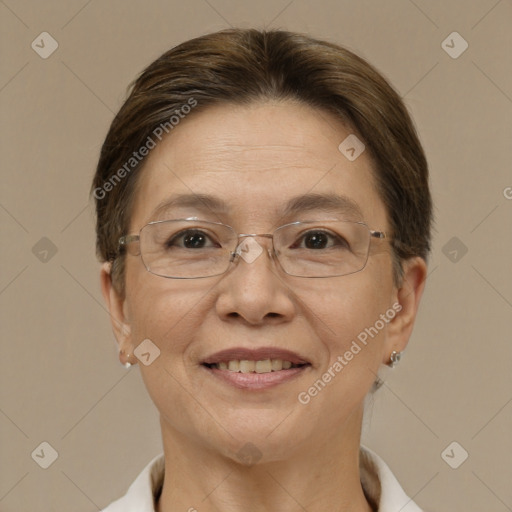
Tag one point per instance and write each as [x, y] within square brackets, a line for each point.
[255, 158]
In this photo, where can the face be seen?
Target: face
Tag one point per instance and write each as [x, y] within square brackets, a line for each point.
[257, 160]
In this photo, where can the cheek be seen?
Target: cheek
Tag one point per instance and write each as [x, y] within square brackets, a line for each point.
[156, 311]
[349, 316]
[167, 312]
[348, 324]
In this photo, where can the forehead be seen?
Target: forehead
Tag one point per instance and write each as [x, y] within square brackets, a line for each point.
[253, 163]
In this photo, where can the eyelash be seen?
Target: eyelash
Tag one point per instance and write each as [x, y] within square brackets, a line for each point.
[331, 235]
[170, 242]
[339, 241]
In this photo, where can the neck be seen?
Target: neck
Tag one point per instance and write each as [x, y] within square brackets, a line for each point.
[323, 477]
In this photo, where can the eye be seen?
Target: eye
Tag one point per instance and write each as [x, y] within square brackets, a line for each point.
[320, 239]
[191, 239]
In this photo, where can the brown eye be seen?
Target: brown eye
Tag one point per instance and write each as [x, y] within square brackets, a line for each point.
[319, 239]
[316, 240]
[191, 239]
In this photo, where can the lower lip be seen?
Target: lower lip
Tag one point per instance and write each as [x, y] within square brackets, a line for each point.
[256, 381]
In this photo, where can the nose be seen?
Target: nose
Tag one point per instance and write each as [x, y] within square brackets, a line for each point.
[253, 290]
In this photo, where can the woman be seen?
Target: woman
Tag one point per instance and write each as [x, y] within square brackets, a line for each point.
[263, 215]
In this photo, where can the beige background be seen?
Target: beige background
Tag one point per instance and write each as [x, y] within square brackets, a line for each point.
[60, 379]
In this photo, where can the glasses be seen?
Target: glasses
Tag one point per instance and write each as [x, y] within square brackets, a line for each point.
[191, 248]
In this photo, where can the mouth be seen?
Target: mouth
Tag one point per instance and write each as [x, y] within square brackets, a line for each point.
[248, 366]
[257, 368]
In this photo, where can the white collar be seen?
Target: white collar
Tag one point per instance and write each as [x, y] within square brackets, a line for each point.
[379, 485]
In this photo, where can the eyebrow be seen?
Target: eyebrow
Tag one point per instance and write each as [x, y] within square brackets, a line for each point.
[330, 202]
[327, 202]
[201, 202]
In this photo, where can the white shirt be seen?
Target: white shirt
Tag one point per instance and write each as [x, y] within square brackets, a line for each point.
[377, 480]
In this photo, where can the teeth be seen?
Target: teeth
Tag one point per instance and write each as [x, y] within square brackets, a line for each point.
[263, 366]
[233, 366]
[247, 366]
[277, 364]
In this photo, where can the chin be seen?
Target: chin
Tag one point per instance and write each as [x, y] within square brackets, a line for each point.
[258, 437]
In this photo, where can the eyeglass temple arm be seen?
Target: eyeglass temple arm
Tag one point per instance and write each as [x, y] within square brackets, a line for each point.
[128, 239]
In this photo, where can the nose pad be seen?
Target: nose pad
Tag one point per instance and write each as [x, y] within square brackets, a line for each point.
[249, 250]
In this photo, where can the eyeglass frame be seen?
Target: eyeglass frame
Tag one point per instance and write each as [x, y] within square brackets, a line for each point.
[128, 239]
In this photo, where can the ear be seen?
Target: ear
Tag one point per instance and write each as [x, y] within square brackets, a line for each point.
[116, 305]
[406, 300]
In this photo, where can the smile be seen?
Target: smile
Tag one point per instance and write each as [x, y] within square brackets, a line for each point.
[255, 369]
[261, 366]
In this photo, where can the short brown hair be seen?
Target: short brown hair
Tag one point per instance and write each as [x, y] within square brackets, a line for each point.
[245, 65]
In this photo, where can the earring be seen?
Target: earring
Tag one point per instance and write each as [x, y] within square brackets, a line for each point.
[394, 358]
[126, 364]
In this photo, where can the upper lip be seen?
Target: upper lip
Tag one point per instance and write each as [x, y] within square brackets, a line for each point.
[255, 354]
